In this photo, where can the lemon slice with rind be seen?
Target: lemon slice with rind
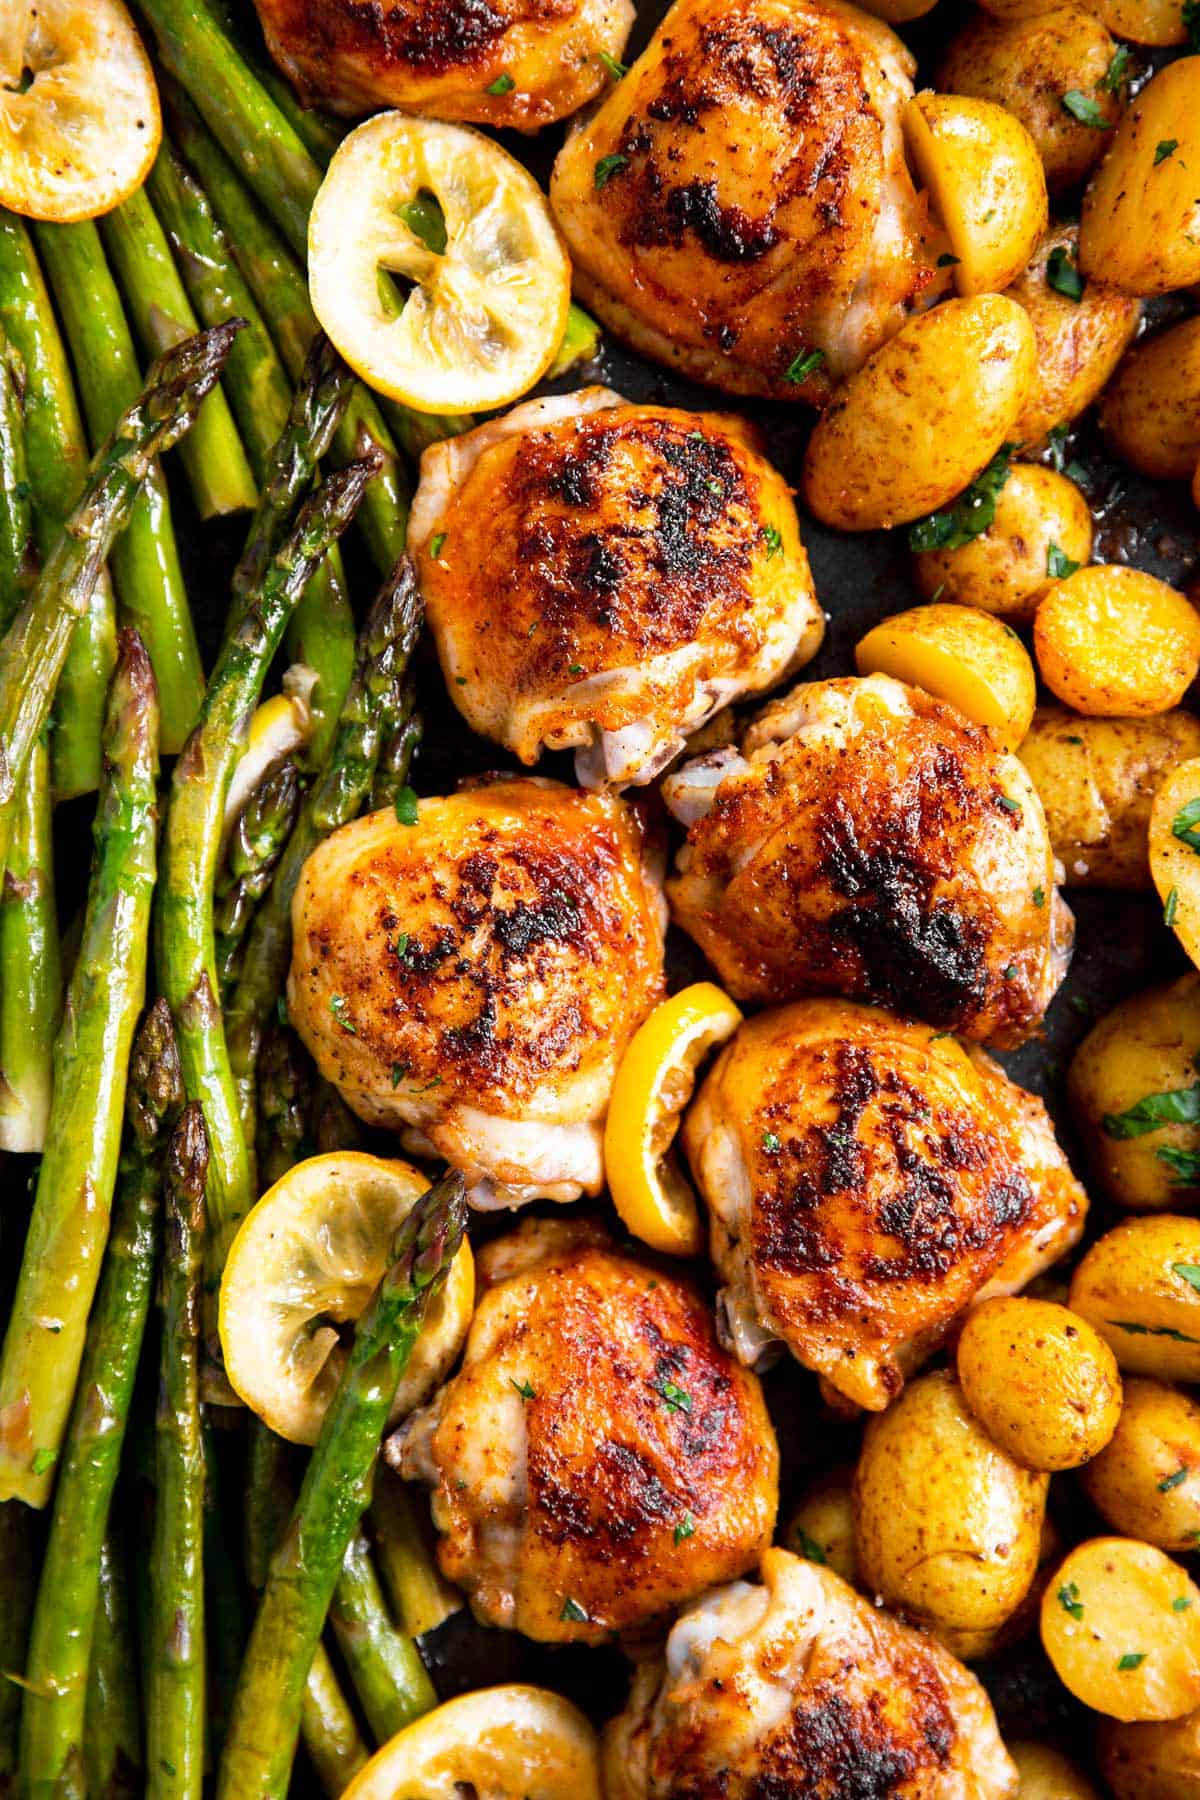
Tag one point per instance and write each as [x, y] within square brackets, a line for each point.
[501, 1743]
[301, 1269]
[279, 727]
[79, 117]
[463, 325]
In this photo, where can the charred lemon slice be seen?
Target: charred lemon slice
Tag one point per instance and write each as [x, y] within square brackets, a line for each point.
[301, 1269]
[435, 266]
[502, 1743]
[654, 1083]
[279, 727]
[79, 117]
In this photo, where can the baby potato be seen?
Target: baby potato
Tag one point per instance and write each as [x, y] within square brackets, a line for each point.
[986, 184]
[1174, 844]
[915, 425]
[1139, 1285]
[961, 655]
[821, 1525]
[1121, 1624]
[1079, 341]
[898, 12]
[1150, 414]
[1155, 22]
[1041, 1381]
[1146, 1480]
[1047, 1775]
[1132, 1076]
[1140, 227]
[948, 1526]
[1027, 65]
[1014, 9]
[1151, 1762]
[1111, 640]
[1006, 569]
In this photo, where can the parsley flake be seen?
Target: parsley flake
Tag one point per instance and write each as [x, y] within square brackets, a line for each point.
[572, 1611]
[1081, 106]
[685, 1529]
[1068, 1599]
[1169, 1483]
[1184, 825]
[406, 806]
[616, 69]
[1132, 1659]
[1039, 896]
[503, 84]
[1189, 1272]
[524, 1388]
[338, 1006]
[437, 544]
[399, 1071]
[1117, 72]
[1165, 147]
[967, 517]
[1184, 1164]
[1162, 1331]
[1009, 804]
[773, 539]
[802, 365]
[1180, 1603]
[809, 1547]
[771, 1143]
[1062, 274]
[1171, 907]
[43, 1461]
[678, 1399]
[1059, 564]
[1174, 1106]
[607, 167]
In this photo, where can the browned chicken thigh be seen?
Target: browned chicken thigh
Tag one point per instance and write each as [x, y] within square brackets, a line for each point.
[867, 1179]
[598, 1459]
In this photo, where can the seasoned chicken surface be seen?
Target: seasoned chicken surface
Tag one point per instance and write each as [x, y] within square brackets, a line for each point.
[868, 840]
[867, 1179]
[598, 1459]
[740, 202]
[604, 577]
[497, 62]
[800, 1688]
[471, 980]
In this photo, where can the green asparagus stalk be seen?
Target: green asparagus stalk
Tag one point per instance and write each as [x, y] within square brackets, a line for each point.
[396, 757]
[112, 1732]
[175, 1720]
[581, 341]
[35, 646]
[253, 849]
[224, 1602]
[145, 560]
[56, 454]
[335, 1493]
[18, 1574]
[391, 1681]
[52, 1721]
[284, 1083]
[421, 1598]
[214, 459]
[328, 1728]
[44, 1343]
[16, 512]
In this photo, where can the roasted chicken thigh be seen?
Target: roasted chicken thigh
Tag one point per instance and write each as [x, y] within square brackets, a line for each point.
[603, 577]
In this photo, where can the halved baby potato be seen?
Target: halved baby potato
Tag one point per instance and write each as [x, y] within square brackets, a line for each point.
[1150, 413]
[1175, 852]
[1138, 1285]
[1116, 642]
[1154, 22]
[959, 654]
[1121, 1624]
[986, 185]
[1140, 226]
[1042, 530]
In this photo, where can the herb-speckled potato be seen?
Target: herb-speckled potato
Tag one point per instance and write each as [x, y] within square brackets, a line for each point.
[1115, 641]
[1140, 228]
[1046, 1774]
[1079, 341]
[1138, 1285]
[1150, 414]
[1040, 1380]
[948, 1526]
[985, 182]
[1146, 1480]
[1151, 1762]
[898, 12]
[1027, 65]
[821, 1524]
[1174, 847]
[1097, 779]
[1132, 1089]
[1155, 22]
[1006, 569]
[1121, 1624]
[915, 425]
[962, 655]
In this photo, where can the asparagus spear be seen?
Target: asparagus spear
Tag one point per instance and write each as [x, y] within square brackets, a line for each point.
[254, 847]
[421, 1598]
[44, 1343]
[391, 1681]
[52, 1721]
[112, 1733]
[175, 1688]
[396, 757]
[18, 1572]
[16, 513]
[335, 1492]
[284, 1083]
[224, 1602]
[56, 452]
[36, 644]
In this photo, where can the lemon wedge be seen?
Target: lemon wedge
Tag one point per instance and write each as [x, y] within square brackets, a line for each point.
[303, 1265]
[79, 117]
[279, 727]
[477, 306]
[654, 1083]
[501, 1743]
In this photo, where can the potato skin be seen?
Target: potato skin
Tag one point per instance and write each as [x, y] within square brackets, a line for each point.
[1155, 22]
[961, 655]
[1027, 65]
[1046, 1774]
[1129, 1287]
[1040, 1380]
[1150, 414]
[824, 1517]
[1121, 1624]
[1004, 569]
[1079, 342]
[916, 424]
[1097, 779]
[1151, 1762]
[1146, 1479]
[985, 182]
[1113, 641]
[1173, 865]
[1140, 226]
[1145, 1045]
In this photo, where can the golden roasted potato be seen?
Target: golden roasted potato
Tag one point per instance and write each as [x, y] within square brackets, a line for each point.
[1027, 65]
[1132, 1088]
[948, 1527]
[985, 182]
[1112, 640]
[1007, 568]
[958, 654]
[1096, 779]
[1150, 413]
[915, 425]
[1174, 848]
[1121, 1624]
[1140, 227]
[1139, 1285]
[1041, 1381]
[1080, 339]
[1146, 1480]
[1015, 9]
[1151, 1762]
[821, 1524]
[1155, 22]
[1046, 1774]
[898, 12]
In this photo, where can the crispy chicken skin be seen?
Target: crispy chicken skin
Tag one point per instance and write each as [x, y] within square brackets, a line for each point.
[868, 840]
[800, 1687]
[867, 1179]
[741, 198]
[472, 980]
[444, 57]
[607, 576]
[594, 1416]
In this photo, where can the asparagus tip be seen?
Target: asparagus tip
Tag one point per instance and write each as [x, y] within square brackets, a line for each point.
[131, 717]
[427, 1240]
[156, 1096]
[187, 1167]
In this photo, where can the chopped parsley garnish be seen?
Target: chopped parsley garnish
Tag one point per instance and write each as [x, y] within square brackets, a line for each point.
[339, 1006]
[1169, 1483]
[523, 1388]
[406, 806]
[1059, 564]
[616, 69]
[399, 943]
[1008, 803]
[1184, 1165]
[437, 544]
[685, 1529]
[1184, 825]
[503, 84]
[572, 1610]
[1010, 973]
[1068, 1599]
[809, 1547]
[608, 166]
[1039, 896]
[1081, 106]
[1171, 907]
[678, 1399]
[1191, 23]
[1189, 1272]
[1117, 72]
[574, 668]
[1162, 1331]
[1063, 276]
[770, 1143]
[43, 1461]
[399, 1071]
[802, 365]
[1165, 147]
[967, 517]
[1175, 1106]
[773, 539]
[1180, 1603]
[1132, 1659]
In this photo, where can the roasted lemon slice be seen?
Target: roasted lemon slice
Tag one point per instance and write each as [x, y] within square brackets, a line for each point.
[279, 727]
[303, 1266]
[461, 319]
[654, 1083]
[501, 1743]
[79, 117]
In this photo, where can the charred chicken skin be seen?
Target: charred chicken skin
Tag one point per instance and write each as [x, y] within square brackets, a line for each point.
[604, 577]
